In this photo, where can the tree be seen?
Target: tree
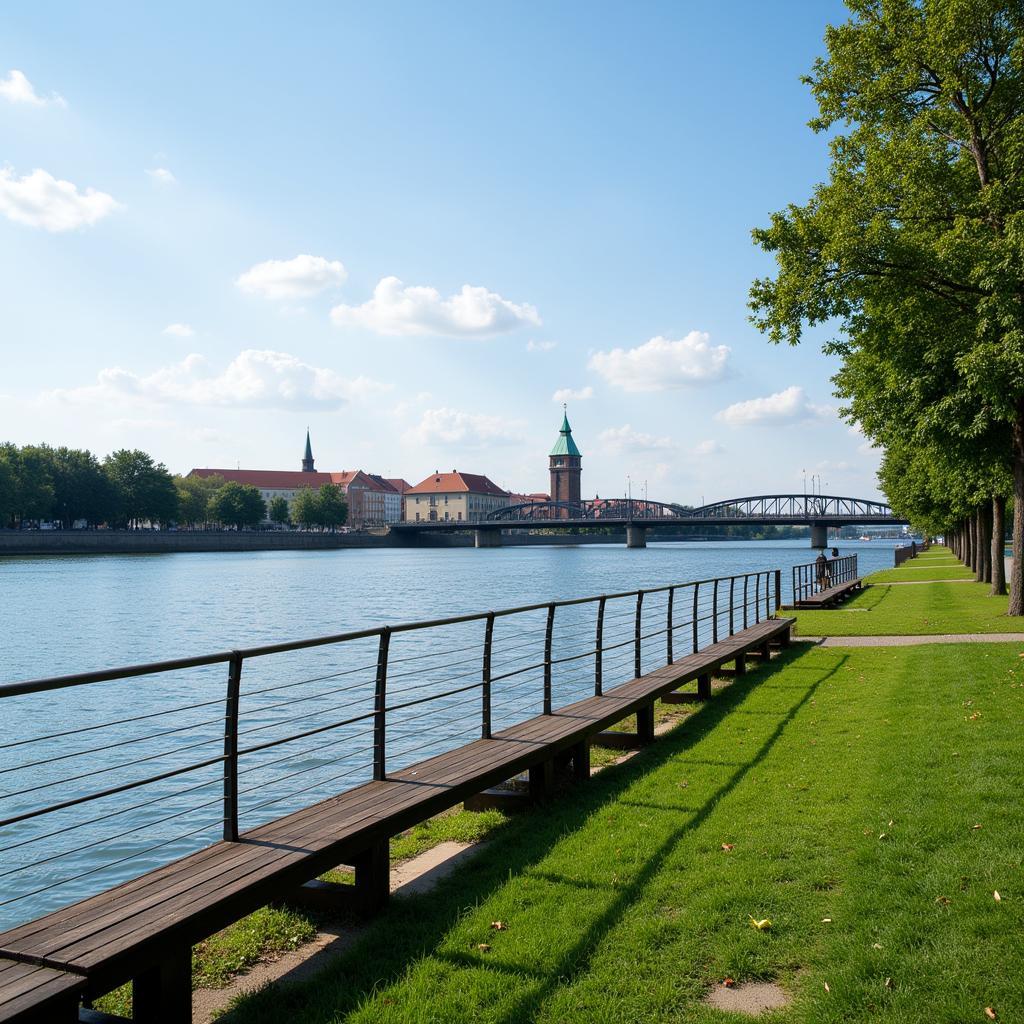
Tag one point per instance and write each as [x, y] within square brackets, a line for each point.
[237, 505]
[305, 508]
[915, 244]
[194, 495]
[81, 490]
[8, 484]
[332, 507]
[278, 510]
[33, 486]
[144, 490]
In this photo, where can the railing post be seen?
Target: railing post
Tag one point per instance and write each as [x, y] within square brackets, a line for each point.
[757, 598]
[599, 649]
[696, 604]
[778, 591]
[746, 584]
[637, 633]
[732, 587]
[796, 572]
[668, 651]
[380, 699]
[548, 636]
[767, 594]
[714, 612]
[485, 725]
[231, 748]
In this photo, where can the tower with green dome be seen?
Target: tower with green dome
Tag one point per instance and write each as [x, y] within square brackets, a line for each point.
[564, 465]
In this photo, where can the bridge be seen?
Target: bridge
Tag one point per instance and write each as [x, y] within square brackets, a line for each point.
[637, 516]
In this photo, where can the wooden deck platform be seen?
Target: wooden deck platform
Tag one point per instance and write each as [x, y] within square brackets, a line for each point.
[828, 597]
[143, 930]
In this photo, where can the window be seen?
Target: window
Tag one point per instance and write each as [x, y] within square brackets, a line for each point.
[460, 517]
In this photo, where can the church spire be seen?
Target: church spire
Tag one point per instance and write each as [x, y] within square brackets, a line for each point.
[565, 445]
[307, 459]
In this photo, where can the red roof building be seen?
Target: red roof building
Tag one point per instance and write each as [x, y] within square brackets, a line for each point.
[453, 496]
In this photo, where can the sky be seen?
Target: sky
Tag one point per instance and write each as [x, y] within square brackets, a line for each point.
[416, 229]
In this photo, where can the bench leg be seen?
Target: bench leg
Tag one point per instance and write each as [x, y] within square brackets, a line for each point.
[785, 638]
[163, 994]
[645, 724]
[704, 687]
[541, 779]
[581, 761]
[741, 664]
[373, 878]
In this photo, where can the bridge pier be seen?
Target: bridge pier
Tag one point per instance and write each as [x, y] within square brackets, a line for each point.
[636, 536]
[487, 538]
[819, 535]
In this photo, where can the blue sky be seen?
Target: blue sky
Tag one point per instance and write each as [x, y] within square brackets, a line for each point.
[408, 226]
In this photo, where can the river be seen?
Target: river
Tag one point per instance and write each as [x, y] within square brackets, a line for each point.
[72, 614]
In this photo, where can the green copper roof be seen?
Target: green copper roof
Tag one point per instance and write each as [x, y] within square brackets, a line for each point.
[565, 445]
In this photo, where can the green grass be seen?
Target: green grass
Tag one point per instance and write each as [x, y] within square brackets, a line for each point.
[881, 610]
[848, 782]
[920, 573]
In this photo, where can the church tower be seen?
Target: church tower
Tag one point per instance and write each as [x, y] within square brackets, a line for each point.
[307, 459]
[564, 465]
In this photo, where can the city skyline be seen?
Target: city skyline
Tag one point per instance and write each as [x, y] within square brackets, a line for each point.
[240, 255]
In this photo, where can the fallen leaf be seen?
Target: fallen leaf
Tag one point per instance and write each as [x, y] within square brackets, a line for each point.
[728, 982]
[883, 835]
[827, 989]
[826, 920]
[998, 898]
[499, 926]
[944, 900]
[727, 846]
[989, 1012]
[484, 947]
[876, 945]
[888, 982]
[975, 826]
[762, 926]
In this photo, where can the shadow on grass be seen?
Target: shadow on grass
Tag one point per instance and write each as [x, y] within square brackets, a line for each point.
[413, 928]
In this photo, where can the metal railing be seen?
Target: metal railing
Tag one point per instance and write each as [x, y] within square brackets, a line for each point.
[904, 553]
[106, 774]
[812, 578]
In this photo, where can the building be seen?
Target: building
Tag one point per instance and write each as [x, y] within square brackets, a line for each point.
[372, 500]
[564, 465]
[453, 497]
[402, 486]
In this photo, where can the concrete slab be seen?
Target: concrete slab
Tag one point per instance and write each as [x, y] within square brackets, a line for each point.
[751, 999]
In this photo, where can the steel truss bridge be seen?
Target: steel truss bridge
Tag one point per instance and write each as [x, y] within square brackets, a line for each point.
[636, 515]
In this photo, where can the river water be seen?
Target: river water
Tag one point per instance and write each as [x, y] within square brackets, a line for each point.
[73, 614]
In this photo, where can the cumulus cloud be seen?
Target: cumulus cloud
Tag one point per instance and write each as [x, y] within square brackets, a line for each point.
[540, 346]
[16, 88]
[570, 394]
[622, 440]
[788, 406]
[866, 445]
[452, 428]
[473, 312]
[179, 330]
[162, 176]
[662, 364]
[708, 447]
[254, 379]
[42, 201]
[297, 278]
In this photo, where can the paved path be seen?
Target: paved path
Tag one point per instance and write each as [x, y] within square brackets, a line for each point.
[909, 641]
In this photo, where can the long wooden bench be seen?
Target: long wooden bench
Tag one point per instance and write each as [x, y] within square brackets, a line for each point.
[143, 930]
[828, 597]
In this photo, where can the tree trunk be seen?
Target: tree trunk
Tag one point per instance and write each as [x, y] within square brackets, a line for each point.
[998, 532]
[1017, 566]
[970, 526]
[984, 566]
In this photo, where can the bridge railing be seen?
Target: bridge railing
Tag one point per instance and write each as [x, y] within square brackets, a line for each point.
[811, 578]
[104, 775]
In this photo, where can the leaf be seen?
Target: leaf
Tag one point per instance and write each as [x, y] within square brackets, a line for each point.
[762, 926]
[827, 989]
[888, 982]
[975, 826]
[826, 920]
[944, 900]
[727, 846]
[998, 898]
[876, 945]
[499, 926]
[728, 982]
[989, 1012]
[484, 947]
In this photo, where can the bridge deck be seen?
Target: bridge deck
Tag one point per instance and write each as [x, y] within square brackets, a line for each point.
[144, 929]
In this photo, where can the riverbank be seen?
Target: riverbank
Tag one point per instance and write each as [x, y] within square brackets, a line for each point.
[804, 794]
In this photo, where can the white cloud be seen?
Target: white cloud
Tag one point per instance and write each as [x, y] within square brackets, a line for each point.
[709, 447]
[622, 440]
[179, 330]
[570, 395]
[866, 446]
[473, 312]
[662, 364]
[788, 406]
[540, 346]
[451, 428]
[297, 278]
[42, 201]
[162, 176]
[16, 88]
[254, 379]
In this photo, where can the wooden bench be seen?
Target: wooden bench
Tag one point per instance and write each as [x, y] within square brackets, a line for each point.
[828, 597]
[143, 930]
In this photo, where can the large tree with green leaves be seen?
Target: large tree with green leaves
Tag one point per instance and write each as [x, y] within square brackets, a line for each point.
[915, 244]
[194, 496]
[277, 509]
[144, 490]
[237, 505]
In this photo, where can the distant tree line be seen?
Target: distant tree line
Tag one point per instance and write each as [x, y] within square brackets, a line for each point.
[128, 489]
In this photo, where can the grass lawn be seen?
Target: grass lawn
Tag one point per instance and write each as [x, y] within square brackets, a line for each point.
[847, 785]
[881, 610]
[913, 572]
